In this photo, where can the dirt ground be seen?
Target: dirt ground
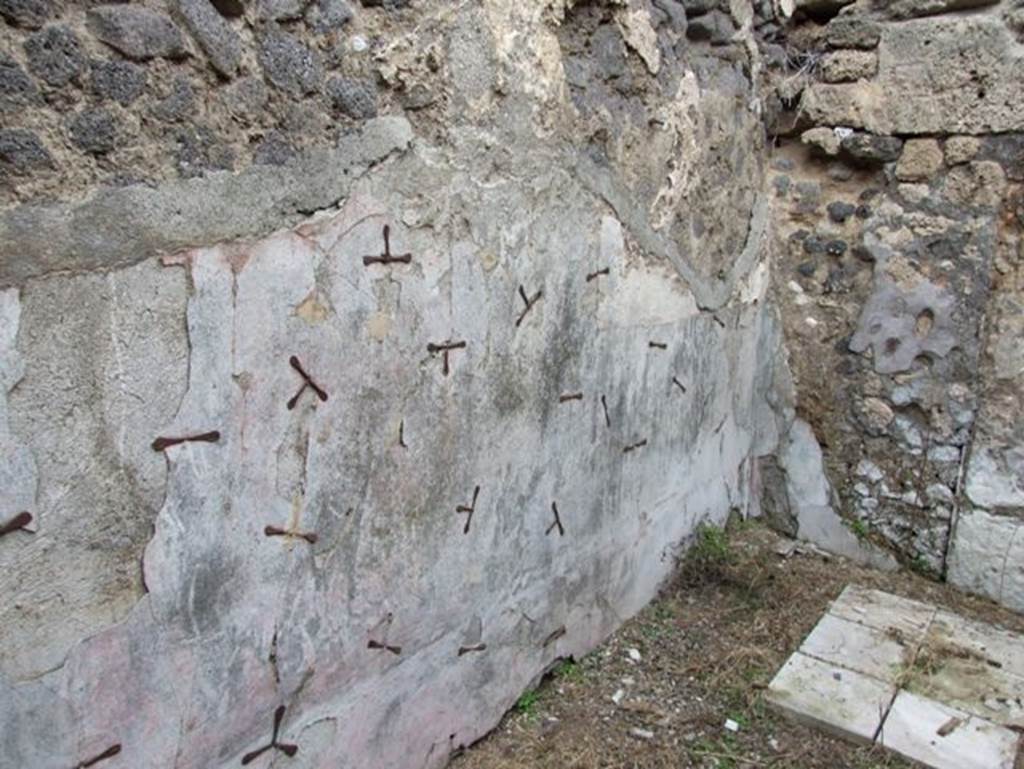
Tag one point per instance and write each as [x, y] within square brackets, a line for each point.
[708, 647]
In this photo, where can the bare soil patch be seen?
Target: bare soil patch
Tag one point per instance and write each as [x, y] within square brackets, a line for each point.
[708, 647]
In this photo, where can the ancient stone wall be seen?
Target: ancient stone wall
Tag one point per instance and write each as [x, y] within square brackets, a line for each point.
[359, 362]
[897, 201]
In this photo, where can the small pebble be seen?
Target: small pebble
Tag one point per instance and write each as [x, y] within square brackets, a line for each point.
[617, 697]
[731, 725]
[641, 734]
[634, 654]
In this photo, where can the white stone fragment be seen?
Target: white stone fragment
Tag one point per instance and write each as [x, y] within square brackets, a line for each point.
[912, 729]
[849, 705]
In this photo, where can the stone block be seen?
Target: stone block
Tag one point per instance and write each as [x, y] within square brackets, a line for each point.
[920, 160]
[55, 55]
[288, 63]
[831, 697]
[137, 32]
[943, 737]
[215, 36]
[960, 149]
[848, 66]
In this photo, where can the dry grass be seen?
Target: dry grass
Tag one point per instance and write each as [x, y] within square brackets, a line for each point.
[709, 644]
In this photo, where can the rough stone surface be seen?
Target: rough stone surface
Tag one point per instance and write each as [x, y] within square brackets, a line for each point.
[868, 149]
[275, 10]
[219, 41]
[324, 16]
[355, 98]
[16, 87]
[848, 66]
[27, 13]
[55, 55]
[93, 131]
[960, 149]
[920, 161]
[288, 64]
[853, 31]
[136, 223]
[137, 32]
[607, 155]
[22, 151]
[120, 81]
[916, 90]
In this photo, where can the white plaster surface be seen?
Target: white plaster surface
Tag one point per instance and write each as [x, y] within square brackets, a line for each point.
[236, 623]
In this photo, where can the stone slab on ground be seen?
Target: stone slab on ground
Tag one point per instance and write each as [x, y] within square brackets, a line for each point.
[884, 611]
[944, 737]
[831, 697]
[917, 679]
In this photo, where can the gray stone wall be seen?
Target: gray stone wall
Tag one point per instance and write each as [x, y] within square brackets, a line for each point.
[896, 192]
[411, 377]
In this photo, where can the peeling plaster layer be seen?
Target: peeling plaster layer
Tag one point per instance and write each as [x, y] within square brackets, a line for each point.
[236, 622]
[118, 227]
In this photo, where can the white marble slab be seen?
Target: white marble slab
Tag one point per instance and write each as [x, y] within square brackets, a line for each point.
[925, 730]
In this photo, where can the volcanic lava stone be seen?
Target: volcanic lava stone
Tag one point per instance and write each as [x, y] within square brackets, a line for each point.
[119, 81]
[288, 64]
[839, 211]
[22, 151]
[139, 33]
[274, 150]
[16, 87]
[93, 131]
[355, 98]
[31, 14]
[54, 55]
[835, 247]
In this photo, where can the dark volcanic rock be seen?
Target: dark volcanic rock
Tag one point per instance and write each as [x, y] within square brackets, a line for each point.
[137, 32]
[55, 55]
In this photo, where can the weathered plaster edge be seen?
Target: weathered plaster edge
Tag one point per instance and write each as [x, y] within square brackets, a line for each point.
[119, 227]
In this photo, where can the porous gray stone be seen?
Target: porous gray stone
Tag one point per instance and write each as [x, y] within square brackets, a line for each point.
[608, 52]
[137, 32]
[918, 91]
[355, 98]
[390, 5]
[920, 160]
[30, 14]
[246, 98]
[199, 150]
[55, 55]
[324, 16]
[900, 323]
[16, 87]
[909, 9]
[960, 149]
[21, 151]
[274, 150]
[279, 10]
[120, 81]
[868, 149]
[93, 131]
[288, 64]
[219, 41]
[848, 66]
[715, 27]
[839, 211]
[178, 104]
[852, 31]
